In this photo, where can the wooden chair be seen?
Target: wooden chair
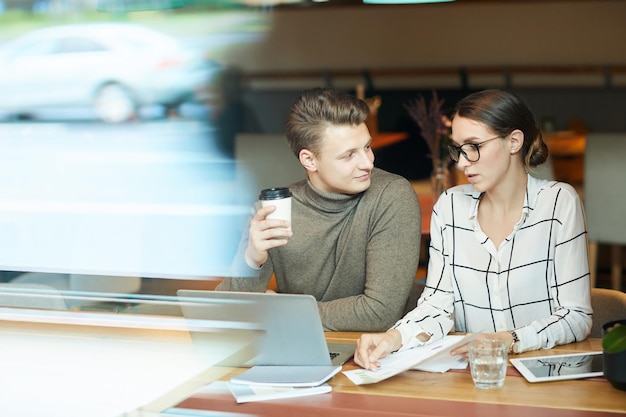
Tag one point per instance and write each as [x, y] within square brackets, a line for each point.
[608, 305]
[416, 291]
[605, 199]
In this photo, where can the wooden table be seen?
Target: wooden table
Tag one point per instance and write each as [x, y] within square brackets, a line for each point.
[432, 394]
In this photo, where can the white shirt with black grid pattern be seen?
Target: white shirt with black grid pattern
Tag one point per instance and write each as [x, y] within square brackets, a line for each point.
[536, 282]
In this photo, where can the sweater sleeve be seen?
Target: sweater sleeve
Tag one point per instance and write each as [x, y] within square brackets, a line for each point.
[392, 257]
[250, 284]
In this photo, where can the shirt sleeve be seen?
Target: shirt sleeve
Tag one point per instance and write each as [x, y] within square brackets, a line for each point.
[571, 320]
[392, 257]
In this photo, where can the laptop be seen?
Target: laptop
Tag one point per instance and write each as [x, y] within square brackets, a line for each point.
[293, 342]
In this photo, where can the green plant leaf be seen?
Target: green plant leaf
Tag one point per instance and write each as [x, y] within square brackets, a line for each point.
[615, 340]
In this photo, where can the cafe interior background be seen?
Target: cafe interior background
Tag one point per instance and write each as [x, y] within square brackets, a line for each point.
[567, 59]
[157, 201]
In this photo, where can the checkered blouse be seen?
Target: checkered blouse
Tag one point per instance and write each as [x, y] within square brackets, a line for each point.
[537, 281]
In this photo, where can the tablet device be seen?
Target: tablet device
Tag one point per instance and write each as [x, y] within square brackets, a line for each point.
[559, 367]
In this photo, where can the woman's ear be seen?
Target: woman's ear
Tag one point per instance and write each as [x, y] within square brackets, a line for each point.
[308, 160]
[517, 141]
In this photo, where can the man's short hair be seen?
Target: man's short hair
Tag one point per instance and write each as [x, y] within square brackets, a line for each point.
[316, 110]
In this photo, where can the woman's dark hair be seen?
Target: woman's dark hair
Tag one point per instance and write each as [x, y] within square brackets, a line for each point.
[504, 112]
[317, 109]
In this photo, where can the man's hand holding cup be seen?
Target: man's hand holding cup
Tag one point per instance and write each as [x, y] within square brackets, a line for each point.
[270, 226]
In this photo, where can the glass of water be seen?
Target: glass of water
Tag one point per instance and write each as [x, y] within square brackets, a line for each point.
[488, 361]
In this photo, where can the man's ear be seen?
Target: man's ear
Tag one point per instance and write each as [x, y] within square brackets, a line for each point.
[517, 140]
[308, 160]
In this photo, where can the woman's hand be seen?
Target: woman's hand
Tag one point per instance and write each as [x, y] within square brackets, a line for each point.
[373, 346]
[464, 349]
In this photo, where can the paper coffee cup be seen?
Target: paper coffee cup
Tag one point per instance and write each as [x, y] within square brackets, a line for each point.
[279, 197]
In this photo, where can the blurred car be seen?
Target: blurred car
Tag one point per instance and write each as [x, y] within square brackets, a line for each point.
[115, 68]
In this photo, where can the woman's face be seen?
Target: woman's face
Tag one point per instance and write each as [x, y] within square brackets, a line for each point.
[493, 155]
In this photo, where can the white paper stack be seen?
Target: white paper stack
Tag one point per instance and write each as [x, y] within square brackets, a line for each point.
[246, 393]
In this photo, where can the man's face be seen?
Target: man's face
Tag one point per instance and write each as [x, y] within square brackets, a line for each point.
[345, 160]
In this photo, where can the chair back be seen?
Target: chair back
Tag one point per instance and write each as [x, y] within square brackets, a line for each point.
[608, 305]
[31, 296]
[605, 196]
[416, 291]
[80, 283]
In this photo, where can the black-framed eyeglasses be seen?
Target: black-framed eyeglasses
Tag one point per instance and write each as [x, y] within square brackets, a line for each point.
[471, 151]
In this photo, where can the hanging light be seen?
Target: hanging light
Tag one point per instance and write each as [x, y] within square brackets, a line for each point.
[405, 1]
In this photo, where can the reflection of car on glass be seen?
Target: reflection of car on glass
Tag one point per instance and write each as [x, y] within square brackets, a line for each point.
[116, 68]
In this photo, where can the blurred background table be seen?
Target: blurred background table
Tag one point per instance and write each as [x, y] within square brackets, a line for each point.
[382, 139]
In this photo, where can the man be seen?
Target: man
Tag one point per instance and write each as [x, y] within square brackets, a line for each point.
[355, 230]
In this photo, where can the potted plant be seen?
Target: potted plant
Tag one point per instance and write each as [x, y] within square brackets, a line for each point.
[614, 353]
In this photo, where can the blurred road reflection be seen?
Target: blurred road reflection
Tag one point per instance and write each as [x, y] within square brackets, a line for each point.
[154, 199]
[114, 68]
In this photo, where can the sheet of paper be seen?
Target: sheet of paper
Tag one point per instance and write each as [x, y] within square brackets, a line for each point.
[401, 361]
[442, 364]
[286, 376]
[248, 393]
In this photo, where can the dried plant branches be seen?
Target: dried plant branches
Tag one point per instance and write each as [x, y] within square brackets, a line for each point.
[433, 123]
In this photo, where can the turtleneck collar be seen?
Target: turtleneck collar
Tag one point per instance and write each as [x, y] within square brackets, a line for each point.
[329, 202]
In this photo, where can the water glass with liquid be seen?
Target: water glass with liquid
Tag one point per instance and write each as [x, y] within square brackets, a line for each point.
[488, 361]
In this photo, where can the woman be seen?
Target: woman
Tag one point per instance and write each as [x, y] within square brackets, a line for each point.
[508, 252]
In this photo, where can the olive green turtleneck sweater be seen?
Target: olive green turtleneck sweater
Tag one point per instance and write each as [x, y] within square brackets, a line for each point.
[356, 254]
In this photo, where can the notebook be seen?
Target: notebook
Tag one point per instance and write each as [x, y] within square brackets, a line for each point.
[293, 335]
